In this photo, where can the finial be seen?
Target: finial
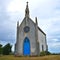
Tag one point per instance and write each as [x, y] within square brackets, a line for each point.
[36, 20]
[27, 10]
[27, 2]
[17, 23]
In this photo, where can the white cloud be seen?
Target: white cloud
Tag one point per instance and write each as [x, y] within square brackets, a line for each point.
[16, 6]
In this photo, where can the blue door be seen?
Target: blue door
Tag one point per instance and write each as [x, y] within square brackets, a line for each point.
[26, 46]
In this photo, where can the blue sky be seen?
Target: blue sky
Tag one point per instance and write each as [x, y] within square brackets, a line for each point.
[47, 12]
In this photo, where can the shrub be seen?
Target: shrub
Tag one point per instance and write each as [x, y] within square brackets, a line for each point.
[43, 53]
[48, 53]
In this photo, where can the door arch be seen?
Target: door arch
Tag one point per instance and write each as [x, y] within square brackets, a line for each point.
[26, 46]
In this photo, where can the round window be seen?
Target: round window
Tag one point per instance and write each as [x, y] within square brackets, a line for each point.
[26, 29]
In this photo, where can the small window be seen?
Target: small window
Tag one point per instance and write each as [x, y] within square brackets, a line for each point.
[42, 48]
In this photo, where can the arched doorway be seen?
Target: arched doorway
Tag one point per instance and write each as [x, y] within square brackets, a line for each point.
[26, 46]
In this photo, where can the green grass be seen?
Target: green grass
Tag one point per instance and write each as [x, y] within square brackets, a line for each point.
[49, 57]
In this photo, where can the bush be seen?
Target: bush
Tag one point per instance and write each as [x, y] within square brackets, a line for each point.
[48, 53]
[43, 53]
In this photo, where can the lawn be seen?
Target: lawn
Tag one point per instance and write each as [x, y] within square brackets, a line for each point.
[49, 57]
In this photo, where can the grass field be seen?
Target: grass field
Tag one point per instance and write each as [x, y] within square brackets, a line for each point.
[11, 57]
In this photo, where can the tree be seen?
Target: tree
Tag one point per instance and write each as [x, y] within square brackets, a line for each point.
[7, 49]
[1, 49]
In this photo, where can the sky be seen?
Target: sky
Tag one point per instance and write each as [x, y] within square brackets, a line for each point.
[47, 12]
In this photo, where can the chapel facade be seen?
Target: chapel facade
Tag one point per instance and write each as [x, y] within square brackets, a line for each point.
[31, 40]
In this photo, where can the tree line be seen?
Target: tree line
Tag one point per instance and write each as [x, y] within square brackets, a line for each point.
[5, 50]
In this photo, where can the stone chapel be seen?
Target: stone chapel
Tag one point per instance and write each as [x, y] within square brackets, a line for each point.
[31, 40]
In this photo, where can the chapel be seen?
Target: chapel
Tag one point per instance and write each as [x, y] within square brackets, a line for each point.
[30, 39]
